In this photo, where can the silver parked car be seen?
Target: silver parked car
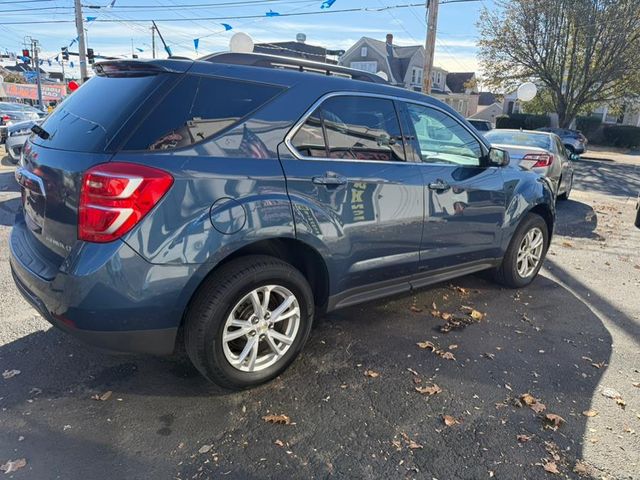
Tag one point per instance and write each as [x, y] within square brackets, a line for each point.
[541, 152]
[574, 140]
[17, 134]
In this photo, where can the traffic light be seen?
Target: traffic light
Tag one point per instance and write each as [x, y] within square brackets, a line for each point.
[90, 56]
[26, 56]
[65, 53]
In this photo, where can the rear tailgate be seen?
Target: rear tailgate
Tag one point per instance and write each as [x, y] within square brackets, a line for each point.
[82, 132]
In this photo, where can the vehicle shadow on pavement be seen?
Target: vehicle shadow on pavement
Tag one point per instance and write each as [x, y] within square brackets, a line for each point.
[541, 340]
[617, 179]
[8, 206]
[576, 219]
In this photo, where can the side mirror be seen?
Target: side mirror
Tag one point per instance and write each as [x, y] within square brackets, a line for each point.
[498, 158]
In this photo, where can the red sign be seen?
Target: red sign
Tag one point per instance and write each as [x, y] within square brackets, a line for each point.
[21, 90]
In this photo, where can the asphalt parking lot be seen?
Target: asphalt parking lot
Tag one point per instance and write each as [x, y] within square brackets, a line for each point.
[567, 341]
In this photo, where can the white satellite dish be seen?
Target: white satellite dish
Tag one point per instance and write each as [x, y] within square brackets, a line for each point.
[241, 43]
[383, 75]
[527, 91]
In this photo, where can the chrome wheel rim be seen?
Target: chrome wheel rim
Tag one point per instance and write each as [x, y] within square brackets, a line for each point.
[261, 328]
[530, 252]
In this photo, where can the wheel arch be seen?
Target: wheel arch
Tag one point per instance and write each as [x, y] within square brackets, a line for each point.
[295, 252]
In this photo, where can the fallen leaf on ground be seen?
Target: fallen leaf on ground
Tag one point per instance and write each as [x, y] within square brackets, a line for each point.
[452, 346]
[446, 355]
[205, 449]
[538, 407]
[417, 380]
[413, 372]
[414, 445]
[637, 384]
[581, 469]
[104, 397]
[476, 315]
[371, 374]
[463, 291]
[426, 345]
[279, 443]
[449, 420]
[598, 365]
[567, 244]
[590, 413]
[611, 393]
[396, 444]
[621, 402]
[551, 467]
[7, 374]
[523, 438]
[528, 399]
[415, 309]
[279, 419]
[13, 465]
[430, 390]
[553, 420]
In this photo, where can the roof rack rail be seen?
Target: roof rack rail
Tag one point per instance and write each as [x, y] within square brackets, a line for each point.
[290, 63]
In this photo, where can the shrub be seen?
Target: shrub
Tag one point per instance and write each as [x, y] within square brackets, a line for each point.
[591, 127]
[522, 120]
[621, 136]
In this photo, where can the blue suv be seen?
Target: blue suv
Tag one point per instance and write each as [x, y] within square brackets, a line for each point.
[237, 197]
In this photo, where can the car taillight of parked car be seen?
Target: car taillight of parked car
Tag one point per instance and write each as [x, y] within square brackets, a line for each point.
[115, 196]
[5, 118]
[540, 159]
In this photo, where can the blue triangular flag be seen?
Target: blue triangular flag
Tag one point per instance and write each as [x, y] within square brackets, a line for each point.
[227, 27]
[271, 13]
[196, 42]
[327, 3]
[91, 19]
[139, 49]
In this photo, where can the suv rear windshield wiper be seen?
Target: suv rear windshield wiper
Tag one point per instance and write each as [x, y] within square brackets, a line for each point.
[41, 132]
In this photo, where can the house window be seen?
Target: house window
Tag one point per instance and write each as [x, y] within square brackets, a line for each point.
[416, 76]
[364, 51]
[371, 67]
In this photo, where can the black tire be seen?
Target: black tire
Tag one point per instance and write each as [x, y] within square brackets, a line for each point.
[214, 301]
[565, 195]
[507, 273]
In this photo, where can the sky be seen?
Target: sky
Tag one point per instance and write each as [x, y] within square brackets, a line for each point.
[129, 25]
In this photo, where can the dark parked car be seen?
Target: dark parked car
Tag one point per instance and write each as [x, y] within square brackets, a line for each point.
[574, 140]
[237, 199]
[638, 212]
[482, 126]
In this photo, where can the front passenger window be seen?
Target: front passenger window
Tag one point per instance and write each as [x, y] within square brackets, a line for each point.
[442, 139]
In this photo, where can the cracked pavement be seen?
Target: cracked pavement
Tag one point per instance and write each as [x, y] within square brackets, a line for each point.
[544, 340]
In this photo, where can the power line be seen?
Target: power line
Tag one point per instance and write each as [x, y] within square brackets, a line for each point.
[241, 17]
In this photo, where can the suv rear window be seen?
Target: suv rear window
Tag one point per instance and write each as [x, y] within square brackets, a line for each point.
[90, 117]
[198, 108]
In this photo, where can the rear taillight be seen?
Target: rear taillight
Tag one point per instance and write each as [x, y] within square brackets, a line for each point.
[114, 197]
[539, 159]
[5, 118]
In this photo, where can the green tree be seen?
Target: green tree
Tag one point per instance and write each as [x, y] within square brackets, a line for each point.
[583, 52]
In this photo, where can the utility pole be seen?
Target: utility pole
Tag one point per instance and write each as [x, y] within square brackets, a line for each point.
[430, 44]
[36, 62]
[153, 41]
[82, 47]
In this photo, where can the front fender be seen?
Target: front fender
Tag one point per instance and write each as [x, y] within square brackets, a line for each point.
[527, 192]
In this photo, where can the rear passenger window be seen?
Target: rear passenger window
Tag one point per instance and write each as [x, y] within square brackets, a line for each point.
[355, 128]
[196, 109]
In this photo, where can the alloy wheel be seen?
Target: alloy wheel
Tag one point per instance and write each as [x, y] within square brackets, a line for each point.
[530, 252]
[261, 328]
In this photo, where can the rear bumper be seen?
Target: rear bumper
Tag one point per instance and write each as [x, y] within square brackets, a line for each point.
[108, 297]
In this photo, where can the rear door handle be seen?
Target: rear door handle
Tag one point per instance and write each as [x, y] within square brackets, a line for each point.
[439, 186]
[330, 179]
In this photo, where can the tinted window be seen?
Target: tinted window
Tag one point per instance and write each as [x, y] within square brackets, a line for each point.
[442, 139]
[355, 128]
[89, 118]
[524, 139]
[196, 109]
